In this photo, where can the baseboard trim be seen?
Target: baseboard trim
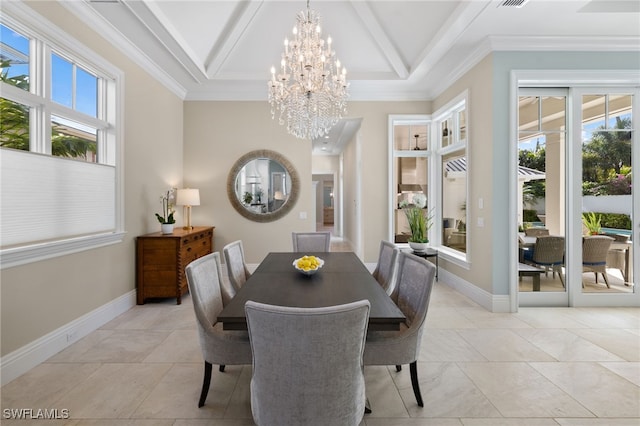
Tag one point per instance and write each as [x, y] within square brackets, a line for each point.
[491, 302]
[24, 359]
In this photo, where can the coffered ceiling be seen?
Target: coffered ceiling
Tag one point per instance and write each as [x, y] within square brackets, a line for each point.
[393, 50]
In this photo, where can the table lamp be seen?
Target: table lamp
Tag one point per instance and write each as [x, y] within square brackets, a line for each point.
[187, 197]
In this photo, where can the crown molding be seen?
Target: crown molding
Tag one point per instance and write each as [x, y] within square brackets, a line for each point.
[86, 14]
[565, 43]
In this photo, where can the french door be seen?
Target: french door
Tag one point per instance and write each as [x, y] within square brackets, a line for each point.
[576, 150]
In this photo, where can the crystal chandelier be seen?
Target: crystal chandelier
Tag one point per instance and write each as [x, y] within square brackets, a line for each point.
[310, 91]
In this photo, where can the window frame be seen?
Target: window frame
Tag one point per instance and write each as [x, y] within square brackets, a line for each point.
[394, 154]
[46, 38]
[450, 111]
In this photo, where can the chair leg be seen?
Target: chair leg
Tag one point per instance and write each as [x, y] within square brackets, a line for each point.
[606, 280]
[206, 383]
[413, 368]
[398, 368]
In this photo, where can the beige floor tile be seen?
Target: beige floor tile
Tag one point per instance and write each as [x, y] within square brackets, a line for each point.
[153, 371]
[606, 318]
[564, 345]
[113, 391]
[549, 317]
[446, 317]
[239, 406]
[178, 393]
[43, 386]
[628, 370]
[179, 346]
[125, 346]
[598, 422]
[76, 352]
[603, 392]
[214, 422]
[446, 392]
[121, 422]
[503, 345]
[509, 422]
[619, 342]
[411, 422]
[518, 390]
[383, 396]
[482, 318]
[446, 345]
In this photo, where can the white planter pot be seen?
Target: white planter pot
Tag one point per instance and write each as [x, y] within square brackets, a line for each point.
[167, 228]
[418, 247]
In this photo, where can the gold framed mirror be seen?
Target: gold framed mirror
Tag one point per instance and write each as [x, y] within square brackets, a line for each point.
[263, 186]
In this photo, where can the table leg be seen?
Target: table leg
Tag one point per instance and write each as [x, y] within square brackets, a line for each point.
[627, 279]
[536, 282]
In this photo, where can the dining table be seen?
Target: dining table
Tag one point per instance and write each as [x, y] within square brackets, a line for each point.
[343, 278]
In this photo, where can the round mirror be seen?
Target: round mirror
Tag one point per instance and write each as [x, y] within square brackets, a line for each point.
[263, 186]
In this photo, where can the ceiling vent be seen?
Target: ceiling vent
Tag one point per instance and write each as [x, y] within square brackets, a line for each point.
[513, 3]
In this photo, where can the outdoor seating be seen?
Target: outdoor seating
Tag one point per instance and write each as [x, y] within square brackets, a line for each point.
[594, 255]
[548, 252]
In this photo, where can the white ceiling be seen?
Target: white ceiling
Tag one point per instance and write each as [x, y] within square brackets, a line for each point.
[393, 50]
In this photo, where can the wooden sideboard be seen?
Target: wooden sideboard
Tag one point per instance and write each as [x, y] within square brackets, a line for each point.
[161, 259]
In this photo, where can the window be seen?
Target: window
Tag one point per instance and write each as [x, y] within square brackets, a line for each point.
[409, 154]
[62, 103]
[451, 155]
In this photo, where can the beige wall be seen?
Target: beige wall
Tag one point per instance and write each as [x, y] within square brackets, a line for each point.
[216, 135]
[374, 137]
[480, 165]
[40, 297]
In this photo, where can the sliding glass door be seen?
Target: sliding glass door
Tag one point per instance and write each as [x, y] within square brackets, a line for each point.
[577, 221]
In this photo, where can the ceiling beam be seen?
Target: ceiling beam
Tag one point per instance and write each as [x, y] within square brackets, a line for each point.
[218, 55]
[384, 43]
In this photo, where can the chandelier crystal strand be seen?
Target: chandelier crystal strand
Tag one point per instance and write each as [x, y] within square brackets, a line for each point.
[310, 91]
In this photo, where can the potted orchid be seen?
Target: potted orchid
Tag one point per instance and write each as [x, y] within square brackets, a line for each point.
[167, 220]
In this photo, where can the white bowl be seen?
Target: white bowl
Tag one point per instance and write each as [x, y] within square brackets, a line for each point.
[310, 271]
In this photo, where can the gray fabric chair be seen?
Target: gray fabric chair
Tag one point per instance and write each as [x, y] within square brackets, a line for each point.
[226, 289]
[236, 266]
[411, 293]
[307, 364]
[311, 242]
[386, 267]
[218, 346]
[594, 255]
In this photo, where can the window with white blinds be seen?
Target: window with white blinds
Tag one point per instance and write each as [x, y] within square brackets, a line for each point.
[60, 133]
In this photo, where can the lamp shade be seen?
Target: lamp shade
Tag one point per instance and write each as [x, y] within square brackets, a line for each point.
[188, 197]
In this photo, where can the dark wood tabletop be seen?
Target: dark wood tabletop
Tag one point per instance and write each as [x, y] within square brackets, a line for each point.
[342, 279]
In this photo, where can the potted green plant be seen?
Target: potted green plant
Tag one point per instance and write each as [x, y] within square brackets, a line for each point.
[420, 221]
[167, 220]
[592, 222]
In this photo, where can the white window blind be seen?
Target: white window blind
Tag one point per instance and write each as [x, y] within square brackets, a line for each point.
[49, 198]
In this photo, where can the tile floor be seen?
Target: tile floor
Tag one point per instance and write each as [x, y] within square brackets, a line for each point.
[541, 366]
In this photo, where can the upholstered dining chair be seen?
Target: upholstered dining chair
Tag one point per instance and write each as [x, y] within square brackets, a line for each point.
[218, 346]
[594, 255]
[411, 293]
[548, 252]
[307, 364]
[309, 242]
[386, 266]
[226, 289]
[236, 267]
